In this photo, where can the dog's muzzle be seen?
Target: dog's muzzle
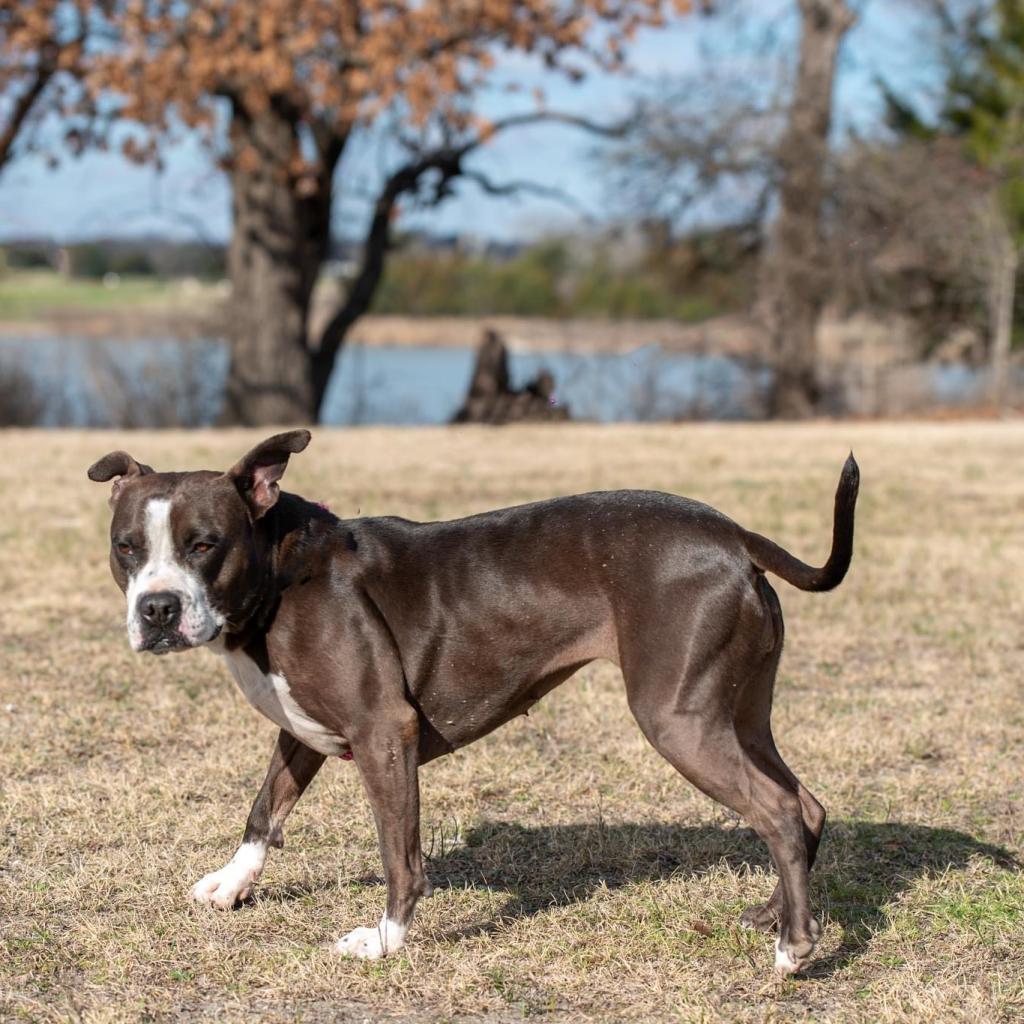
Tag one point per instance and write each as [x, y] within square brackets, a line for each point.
[159, 614]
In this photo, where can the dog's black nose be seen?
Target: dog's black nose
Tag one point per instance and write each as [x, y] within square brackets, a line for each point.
[162, 609]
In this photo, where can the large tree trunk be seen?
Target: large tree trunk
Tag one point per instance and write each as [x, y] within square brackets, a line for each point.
[279, 241]
[795, 282]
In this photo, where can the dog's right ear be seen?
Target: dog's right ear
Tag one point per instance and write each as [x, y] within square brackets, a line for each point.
[121, 465]
[256, 475]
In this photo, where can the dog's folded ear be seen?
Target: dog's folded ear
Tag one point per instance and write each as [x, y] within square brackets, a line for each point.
[256, 475]
[121, 465]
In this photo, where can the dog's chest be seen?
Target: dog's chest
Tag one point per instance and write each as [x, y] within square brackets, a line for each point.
[270, 694]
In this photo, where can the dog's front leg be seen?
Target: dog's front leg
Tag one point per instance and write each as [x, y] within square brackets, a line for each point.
[291, 770]
[388, 759]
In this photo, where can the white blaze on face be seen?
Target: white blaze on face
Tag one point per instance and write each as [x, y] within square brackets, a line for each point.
[163, 571]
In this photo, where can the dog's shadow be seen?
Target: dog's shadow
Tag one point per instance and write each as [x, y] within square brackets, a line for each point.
[862, 867]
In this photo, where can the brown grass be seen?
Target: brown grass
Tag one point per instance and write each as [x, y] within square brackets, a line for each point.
[577, 876]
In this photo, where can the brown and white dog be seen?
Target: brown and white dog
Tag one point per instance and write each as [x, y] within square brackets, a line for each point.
[396, 642]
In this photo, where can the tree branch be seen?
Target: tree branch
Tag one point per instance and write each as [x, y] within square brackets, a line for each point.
[375, 247]
[45, 69]
[447, 162]
[536, 188]
[329, 141]
[943, 15]
[614, 130]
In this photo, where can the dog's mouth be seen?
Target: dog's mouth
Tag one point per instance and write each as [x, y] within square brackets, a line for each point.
[168, 642]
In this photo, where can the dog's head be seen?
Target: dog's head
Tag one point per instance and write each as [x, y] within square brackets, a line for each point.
[186, 548]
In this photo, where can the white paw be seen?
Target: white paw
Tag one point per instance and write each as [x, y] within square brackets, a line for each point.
[372, 943]
[364, 943]
[785, 965]
[233, 882]
[224, 888]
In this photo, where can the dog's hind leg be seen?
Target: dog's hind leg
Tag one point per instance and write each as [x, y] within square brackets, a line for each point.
[387, 755]
[766, 916]
[710, 755]
[292, 768]
[692, 723]
[752, 716]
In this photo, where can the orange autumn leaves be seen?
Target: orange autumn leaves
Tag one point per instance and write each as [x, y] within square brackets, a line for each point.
[328, 64]
[42, 56]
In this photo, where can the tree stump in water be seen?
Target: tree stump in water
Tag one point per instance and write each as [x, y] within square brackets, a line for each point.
[492, 399]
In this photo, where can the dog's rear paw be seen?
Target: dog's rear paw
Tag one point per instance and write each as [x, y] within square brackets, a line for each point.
[224, 888]
[792, 957]
[372, 943]
[763, 918]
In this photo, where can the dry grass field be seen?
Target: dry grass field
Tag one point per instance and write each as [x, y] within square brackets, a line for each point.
[577, 877]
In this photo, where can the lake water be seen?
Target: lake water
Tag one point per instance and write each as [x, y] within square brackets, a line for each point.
[164, 382]
[427, 385]
[158, 381]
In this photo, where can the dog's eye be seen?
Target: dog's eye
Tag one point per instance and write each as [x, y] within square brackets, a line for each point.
[125, 549]
[201, 547]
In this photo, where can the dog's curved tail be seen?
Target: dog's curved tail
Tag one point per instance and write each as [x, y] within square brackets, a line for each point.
[769, 557]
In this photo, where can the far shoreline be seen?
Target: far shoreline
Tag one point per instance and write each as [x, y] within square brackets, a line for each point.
[733, 336]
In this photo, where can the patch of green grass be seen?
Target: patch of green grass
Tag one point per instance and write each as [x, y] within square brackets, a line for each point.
[996, 906]
[31, 295]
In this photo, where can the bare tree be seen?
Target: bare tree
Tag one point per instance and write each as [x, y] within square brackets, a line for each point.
[765, 151]
[795, 284]
[981, 107]
[428, 172]
[907, 234]
[699, 148]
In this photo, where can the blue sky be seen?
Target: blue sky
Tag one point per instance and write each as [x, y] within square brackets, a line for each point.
[102, 194]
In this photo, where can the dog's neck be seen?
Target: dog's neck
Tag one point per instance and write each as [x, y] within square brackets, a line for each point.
[288, 541]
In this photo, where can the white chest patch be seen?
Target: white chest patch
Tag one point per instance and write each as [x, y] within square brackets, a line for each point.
[270, 694]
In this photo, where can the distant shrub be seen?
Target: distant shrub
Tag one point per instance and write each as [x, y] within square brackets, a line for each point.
[554, 278]
[155, 385]
[128, 257]
[28, 256]
[427, 283]
[95, 259]
[21, 401]
[634, 294]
